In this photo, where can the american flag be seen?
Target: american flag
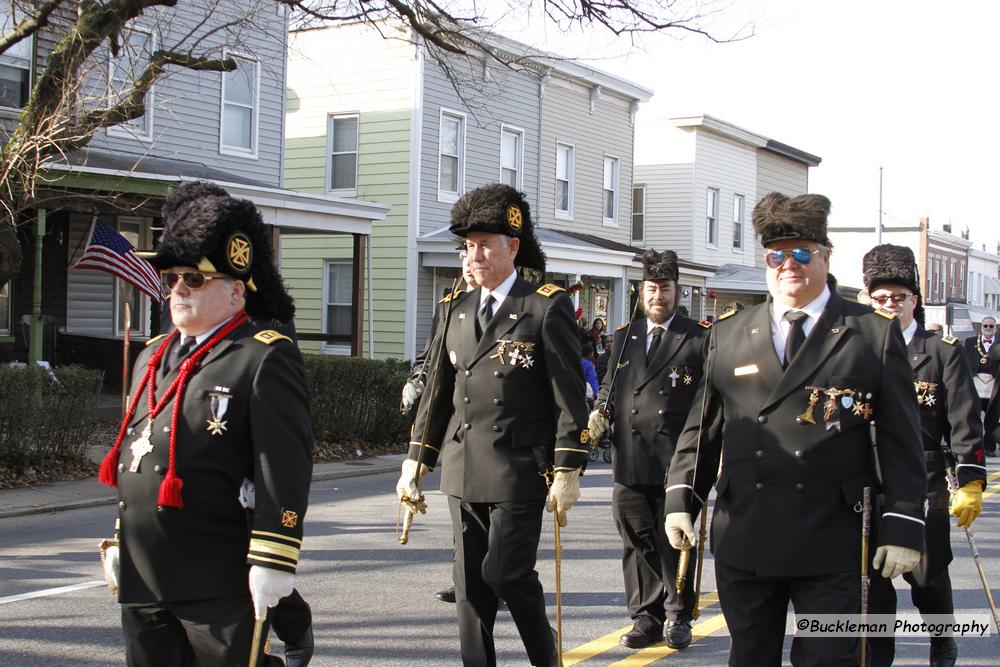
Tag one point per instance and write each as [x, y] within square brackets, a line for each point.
[110, 251]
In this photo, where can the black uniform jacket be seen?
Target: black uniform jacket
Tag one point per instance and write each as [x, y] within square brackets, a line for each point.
[650, 403]
[948, 407]
[789, 490]
[992, 423]
[979, 362]
[509, 405]
[257, 389]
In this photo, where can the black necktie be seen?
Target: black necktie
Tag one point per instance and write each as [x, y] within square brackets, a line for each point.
[796, 334]
[655, 343]
[179, 352]
[485, 315]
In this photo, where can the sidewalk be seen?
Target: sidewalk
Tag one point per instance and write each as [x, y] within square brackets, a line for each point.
[90, 493]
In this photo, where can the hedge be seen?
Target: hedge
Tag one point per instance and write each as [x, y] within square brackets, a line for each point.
[46, 414]
[356, 399]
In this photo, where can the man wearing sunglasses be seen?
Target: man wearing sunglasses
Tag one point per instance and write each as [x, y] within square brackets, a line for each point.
[217, 403]
[985, 369]
[949, 411]
[791, 389]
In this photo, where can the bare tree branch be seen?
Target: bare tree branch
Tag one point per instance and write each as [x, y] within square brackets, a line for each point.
[29, 25]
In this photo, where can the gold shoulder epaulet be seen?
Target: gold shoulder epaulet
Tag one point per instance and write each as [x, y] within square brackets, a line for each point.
[623, 325]
[705, 324]
[270, 337]
[453, 295]
[887, 314]
[726, 314]
[156, 338]
[549, 290]
[950, 340]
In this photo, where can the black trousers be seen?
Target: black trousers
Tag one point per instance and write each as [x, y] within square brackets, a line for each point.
[649, 563]
[988, 442]
[202, 633]
[292, 618]
[496, 546]
[755, 609]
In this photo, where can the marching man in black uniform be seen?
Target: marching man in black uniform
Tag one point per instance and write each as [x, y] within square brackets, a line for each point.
[217, 401]
[985, 369]
[949, 411]
[509, 408]
[791, 388]
[654, 387]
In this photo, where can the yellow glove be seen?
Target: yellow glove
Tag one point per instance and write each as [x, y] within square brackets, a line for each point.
[967, 502]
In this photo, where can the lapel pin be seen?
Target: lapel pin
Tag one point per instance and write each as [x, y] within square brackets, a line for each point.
[835, 330]
[755, 330]
[461, 316]
[513, 316]
[635, 338]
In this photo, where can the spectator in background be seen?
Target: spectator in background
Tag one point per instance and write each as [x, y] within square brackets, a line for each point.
[602, 358]
[590, 372]
[596, 332]
[934, 328]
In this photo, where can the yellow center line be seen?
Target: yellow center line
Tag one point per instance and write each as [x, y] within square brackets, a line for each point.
[652, 654]
[610, 640]
[994, 489]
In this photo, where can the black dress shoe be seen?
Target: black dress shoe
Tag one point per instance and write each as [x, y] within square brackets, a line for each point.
[679, 634]
[644, 633]
[447, 595]
[299, 655]
[944, 652]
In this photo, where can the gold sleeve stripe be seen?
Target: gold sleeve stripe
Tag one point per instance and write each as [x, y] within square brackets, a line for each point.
[417, 444]
[259, 559]
[284, 538]
[291, 553]
[572, 449]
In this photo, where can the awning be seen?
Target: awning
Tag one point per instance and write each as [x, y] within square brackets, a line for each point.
[737, 278]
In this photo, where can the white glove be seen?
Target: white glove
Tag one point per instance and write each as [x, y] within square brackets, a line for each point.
[248, 494]
[894, 561]
[111, 564]
[598, 424]
[680, 530]
[563, 493]
[410, 485]
[267, 586]
[590, 391]
[411, 392]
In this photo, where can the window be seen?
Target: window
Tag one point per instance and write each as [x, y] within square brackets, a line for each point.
[738, 208]
[565, 157]
[511, 153]
[124, 70]
[15, 66]
[342, 139]
[450, 156]
[712, 217]
[125, 292]
[610, 190]
[5, 315]
[239, 107]
[638, 213]
[339, 291]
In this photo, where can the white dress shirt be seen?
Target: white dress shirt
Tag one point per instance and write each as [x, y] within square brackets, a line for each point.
[499, 294]
[649, 330]
[780, 326]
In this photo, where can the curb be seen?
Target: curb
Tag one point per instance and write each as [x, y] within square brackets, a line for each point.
[368, 469]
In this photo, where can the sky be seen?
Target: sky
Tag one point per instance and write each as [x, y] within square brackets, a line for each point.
[908, 87]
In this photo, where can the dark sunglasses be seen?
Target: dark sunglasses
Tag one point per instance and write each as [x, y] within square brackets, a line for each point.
[895, 297]
[775, 258]
[193, 279]
[989, 326]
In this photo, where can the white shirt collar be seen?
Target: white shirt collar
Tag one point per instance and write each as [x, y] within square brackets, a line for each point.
[499, 293]
[909, 331]
[666, 325]
[202, 337]
[813, 309]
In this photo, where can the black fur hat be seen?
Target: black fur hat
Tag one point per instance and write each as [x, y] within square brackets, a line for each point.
[889, 264]
[205, 227]
[659, 265]
[777, 217]
[499, 209]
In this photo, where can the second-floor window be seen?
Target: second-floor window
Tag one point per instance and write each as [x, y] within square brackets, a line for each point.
[638, 213]
[712, 217]
[564, 180]
[125, 69]
[342, 135]
[511, 152]
[5, 316]
[15, 66]
[450, 156]
[240, 107]
[738, 213]
[610, 190]
[338, 290]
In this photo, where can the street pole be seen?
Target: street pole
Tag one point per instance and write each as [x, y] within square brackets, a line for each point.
[35, 338]
[879, 206]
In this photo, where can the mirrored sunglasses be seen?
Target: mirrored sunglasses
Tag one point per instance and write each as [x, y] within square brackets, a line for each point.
[193, 279]
[895, 297]
[775, 258]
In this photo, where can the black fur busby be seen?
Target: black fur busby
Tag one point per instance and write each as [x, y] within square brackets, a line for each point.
[499, 209]
[778, 217]
[206, 228]
[659, 265]
[889, 264]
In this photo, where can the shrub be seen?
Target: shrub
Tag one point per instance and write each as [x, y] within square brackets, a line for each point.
[46, 415]
[357, 399]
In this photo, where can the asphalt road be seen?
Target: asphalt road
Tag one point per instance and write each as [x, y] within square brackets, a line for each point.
[373, 601]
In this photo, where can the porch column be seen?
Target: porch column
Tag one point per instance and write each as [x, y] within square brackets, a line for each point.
[35, 338]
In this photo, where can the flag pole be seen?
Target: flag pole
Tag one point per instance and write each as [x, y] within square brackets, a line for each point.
[125, 363]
